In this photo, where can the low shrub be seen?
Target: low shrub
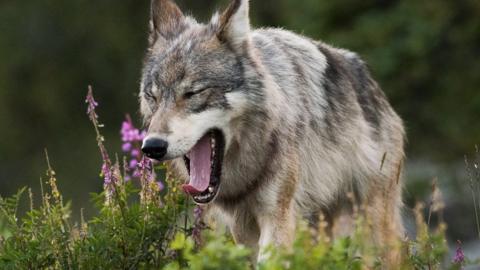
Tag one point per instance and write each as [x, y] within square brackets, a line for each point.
[143, 223]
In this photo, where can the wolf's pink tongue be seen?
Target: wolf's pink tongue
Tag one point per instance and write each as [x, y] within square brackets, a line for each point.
[200, 167]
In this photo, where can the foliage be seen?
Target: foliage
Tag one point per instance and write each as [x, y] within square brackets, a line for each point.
[473, 171]
[135, 235]
[218, 253]
[139, 227]
[123, 235]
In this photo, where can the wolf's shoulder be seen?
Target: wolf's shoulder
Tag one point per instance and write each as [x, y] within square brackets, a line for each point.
[314, 57]
[278, 37]
[268, 37]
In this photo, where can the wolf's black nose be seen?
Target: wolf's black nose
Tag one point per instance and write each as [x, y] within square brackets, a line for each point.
[155, 148]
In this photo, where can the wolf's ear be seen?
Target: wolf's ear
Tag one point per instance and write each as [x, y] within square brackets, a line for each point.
[166, 20]
[235, 23]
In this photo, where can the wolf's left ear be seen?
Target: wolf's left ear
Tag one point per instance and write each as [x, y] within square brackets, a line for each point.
[166, 20]
[235, 23]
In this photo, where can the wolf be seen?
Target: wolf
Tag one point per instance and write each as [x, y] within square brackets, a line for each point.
[267, 126]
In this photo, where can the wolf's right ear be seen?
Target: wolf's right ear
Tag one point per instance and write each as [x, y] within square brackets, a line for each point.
[166, 20]
[235, 23]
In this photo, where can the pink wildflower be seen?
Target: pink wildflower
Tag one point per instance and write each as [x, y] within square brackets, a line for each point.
[459, 255]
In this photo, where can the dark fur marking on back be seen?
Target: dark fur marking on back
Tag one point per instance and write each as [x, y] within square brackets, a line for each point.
[334, 93]
[356, 73]
[366, 90]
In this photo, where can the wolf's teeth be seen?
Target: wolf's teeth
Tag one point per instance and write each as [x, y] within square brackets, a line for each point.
[203, 197]
[210, 189]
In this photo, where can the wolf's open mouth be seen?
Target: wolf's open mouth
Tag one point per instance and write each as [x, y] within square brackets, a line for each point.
[204, 165]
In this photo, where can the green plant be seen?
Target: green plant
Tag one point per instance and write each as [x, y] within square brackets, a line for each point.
[139, 226]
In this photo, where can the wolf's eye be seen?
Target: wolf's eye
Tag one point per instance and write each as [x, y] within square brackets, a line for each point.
[190, 94]
[150, 97]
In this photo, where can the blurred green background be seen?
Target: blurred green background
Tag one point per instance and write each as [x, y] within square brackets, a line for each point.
[425, 54]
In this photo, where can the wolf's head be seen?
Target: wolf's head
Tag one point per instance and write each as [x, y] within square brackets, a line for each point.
[197, 81]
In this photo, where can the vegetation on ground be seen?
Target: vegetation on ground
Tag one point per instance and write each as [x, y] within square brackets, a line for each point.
[143, 223]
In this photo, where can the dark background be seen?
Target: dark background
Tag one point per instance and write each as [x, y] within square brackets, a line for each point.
[425, 54]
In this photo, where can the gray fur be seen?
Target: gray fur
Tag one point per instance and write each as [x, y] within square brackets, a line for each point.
[305, 123]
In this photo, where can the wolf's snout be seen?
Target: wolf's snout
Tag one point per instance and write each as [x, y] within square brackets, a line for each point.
[155, 148]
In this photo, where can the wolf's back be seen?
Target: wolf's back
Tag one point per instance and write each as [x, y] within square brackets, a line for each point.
[349, 136]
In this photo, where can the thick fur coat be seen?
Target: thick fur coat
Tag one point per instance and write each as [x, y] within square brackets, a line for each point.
[307, 130]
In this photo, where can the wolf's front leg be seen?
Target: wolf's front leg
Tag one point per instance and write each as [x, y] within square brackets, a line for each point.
[277, 216]
[245, 231]
[277, 230]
